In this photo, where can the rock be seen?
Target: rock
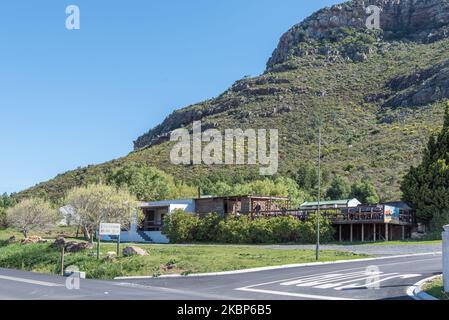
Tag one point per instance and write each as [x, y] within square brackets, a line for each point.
[77, 246]
[12, 239]
[59, 242]
[419, 20]
[110, 256]
[132, 251]
[33, 239]
[421, 87]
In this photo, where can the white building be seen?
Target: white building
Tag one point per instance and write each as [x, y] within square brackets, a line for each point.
[149, 230]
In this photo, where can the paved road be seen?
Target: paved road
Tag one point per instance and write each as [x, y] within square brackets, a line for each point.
[333, 281]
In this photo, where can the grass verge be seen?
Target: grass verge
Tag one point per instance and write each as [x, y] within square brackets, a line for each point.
[435, 289]
[162, 259]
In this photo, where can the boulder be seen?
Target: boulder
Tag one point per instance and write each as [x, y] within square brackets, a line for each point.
[133, 251]
[77, 246]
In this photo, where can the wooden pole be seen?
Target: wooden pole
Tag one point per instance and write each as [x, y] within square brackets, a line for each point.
[351, 236]
[62, 260]
[363, 232]
[118, 246]
[98, 246]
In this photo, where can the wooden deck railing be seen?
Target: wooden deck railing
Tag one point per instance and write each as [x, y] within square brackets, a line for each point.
[335, 215]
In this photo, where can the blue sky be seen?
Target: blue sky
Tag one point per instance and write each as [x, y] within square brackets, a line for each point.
[74, 98]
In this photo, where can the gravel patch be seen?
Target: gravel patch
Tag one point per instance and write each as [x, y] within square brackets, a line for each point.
[373, 250]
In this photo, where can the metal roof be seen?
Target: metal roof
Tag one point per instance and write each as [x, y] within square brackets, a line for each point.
[243, 196]
[325, 203]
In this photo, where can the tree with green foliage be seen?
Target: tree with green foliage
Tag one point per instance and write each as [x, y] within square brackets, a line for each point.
[6, 202]
[339, 189]
[280, 187]
[307, 177]
[98, 203]
[148, 183]
[365, 192]
[32, 214]
[426, 187]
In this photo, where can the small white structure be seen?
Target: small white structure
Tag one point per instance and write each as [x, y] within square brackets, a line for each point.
[149, 230]
[446, 258]
[333, 204]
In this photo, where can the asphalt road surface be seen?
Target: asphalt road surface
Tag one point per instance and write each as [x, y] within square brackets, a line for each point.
[364, 280]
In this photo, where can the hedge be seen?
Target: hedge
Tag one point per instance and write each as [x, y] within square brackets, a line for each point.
[182, 227]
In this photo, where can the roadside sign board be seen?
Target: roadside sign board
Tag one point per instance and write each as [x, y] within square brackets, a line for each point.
[110, 229]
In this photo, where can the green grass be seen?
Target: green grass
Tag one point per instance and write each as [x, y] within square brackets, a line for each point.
[435, 289]
[68, 232]
[186, 259]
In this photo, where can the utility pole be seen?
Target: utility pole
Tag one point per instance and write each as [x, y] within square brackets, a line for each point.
[319, 196]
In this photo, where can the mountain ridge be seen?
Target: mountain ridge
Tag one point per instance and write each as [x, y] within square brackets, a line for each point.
[379, 92]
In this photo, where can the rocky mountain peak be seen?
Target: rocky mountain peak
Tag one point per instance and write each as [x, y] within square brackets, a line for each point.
[415, 20]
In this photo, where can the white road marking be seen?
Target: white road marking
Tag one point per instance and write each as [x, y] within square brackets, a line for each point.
[325, 279]
[354, 286]
[338, 281]
[291, 294]
[343, 270]
[36, 282]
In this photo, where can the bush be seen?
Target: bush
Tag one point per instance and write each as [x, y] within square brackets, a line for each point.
[260, 231]
[286, 229]
[181, 227]
[234, 230]
[208, 228]
[308, 230]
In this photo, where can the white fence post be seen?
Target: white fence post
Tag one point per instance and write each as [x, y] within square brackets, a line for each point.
[446, 258]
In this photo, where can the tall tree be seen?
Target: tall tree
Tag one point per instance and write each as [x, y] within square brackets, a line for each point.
[339, 189]
[95, 204]
[426, 187]
[365, 192]
[149, 183]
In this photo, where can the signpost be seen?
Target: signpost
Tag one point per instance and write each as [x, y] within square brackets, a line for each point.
[109, 229]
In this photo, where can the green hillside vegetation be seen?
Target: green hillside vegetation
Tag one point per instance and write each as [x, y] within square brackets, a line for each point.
[371, 129]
